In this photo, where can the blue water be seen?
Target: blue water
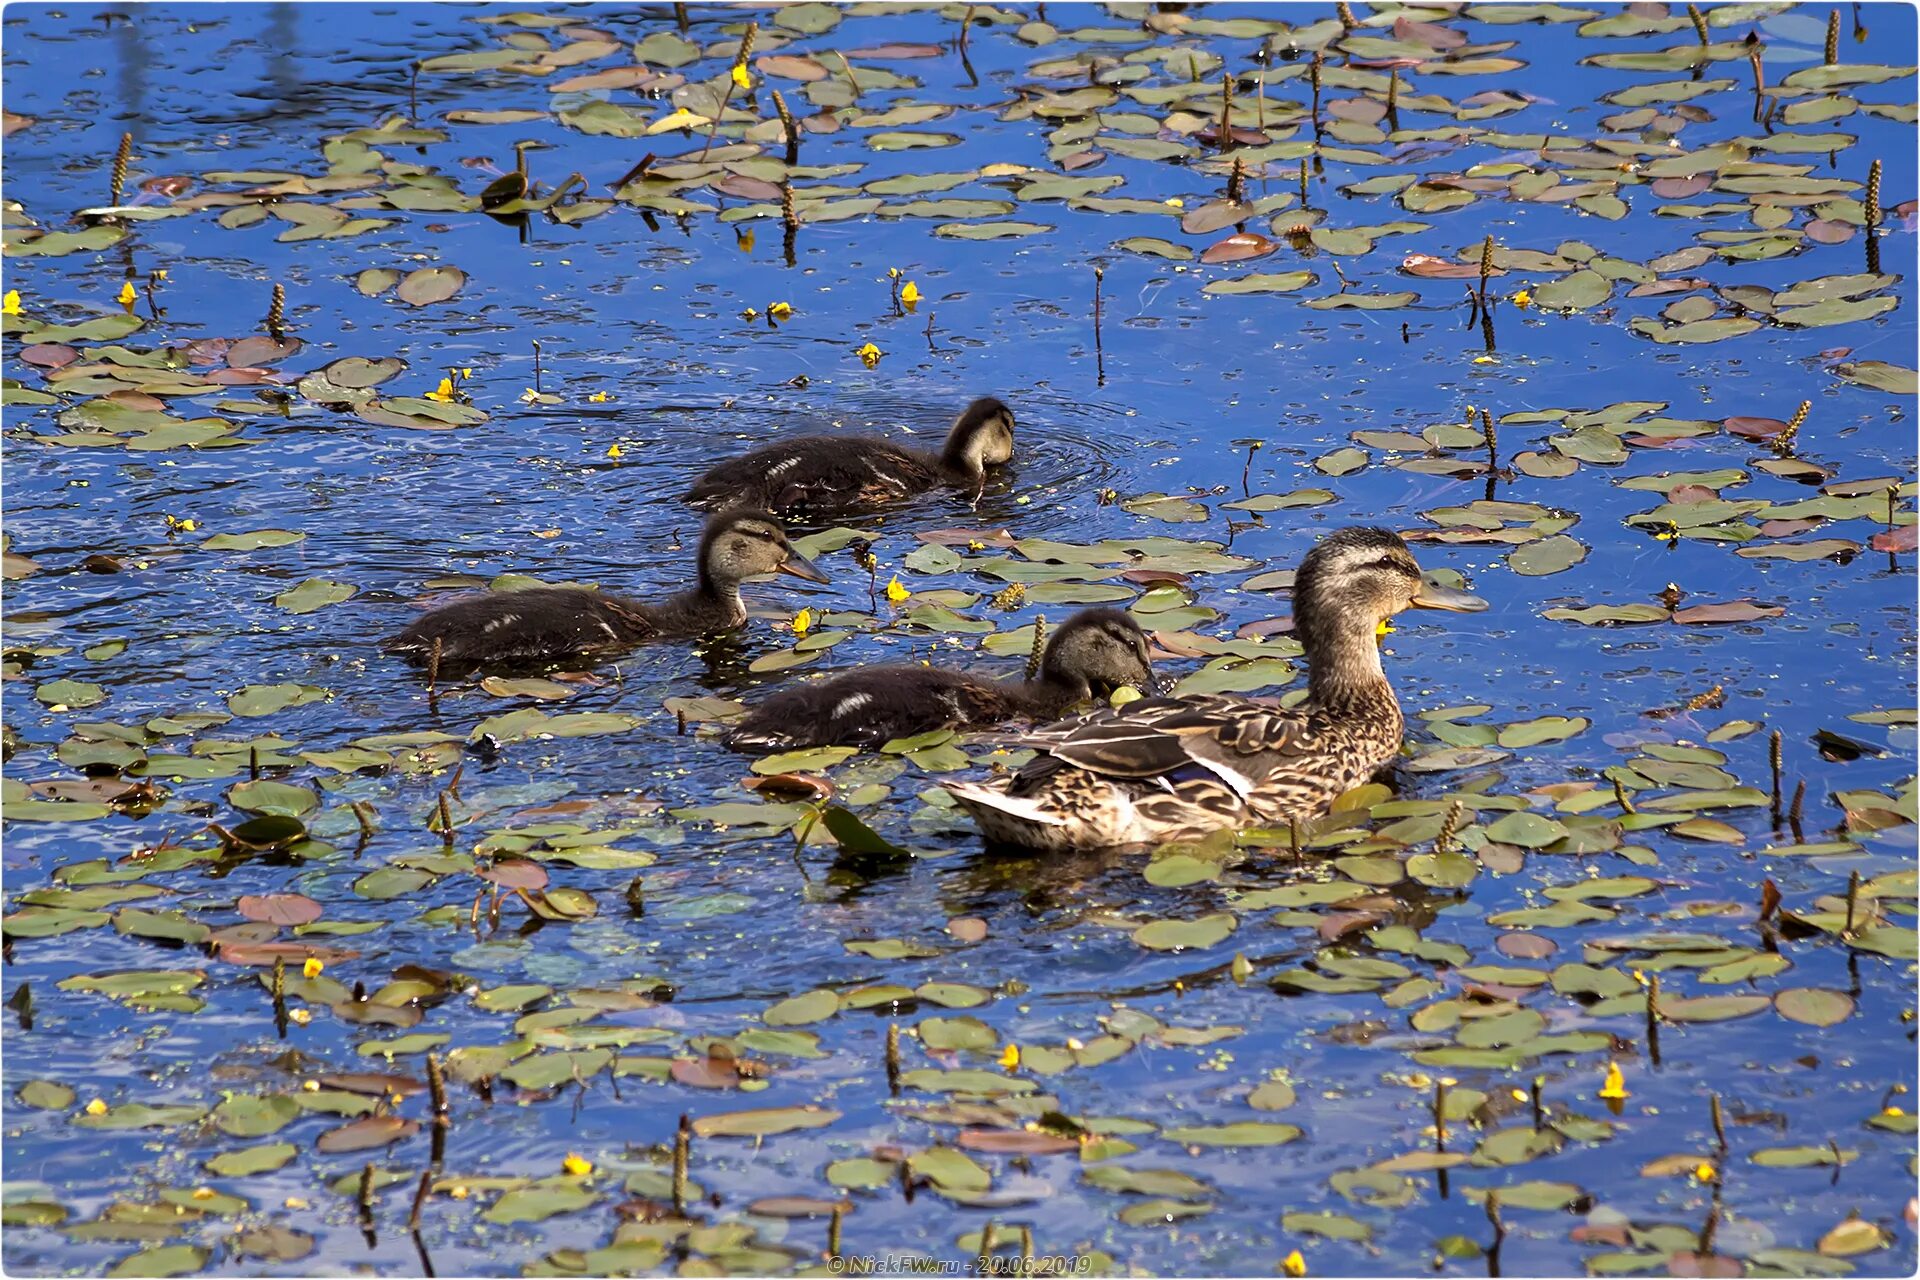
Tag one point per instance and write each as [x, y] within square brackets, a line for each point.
[648, 316]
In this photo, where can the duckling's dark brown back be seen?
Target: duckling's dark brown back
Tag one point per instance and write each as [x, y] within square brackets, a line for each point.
[818, 473]
[541, 624]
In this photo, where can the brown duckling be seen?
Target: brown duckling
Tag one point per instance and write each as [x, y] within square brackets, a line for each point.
[1093, 653]
[812, 474]
[552, 624]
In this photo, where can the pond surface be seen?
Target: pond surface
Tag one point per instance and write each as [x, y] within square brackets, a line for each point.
[1593, 961]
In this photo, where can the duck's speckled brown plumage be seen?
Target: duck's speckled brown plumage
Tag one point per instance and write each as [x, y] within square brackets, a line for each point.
[555, 624]
[1177, 768]
[1094, 652]
[810, 475]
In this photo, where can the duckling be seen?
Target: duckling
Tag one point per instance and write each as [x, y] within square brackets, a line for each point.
[812, 474]
[1177, 768]
[550, 624]
[1094, 652]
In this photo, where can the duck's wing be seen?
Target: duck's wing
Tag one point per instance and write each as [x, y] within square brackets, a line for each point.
[817, 472]
[1238, 741]
[541, 624]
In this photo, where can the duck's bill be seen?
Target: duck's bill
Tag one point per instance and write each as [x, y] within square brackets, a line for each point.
[801, 567]
[1436, 597]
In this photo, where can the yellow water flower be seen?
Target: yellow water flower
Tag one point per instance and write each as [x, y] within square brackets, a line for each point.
[1705, 1172]
[803, 622]
[182, 526]
[600, 397]
[1010, 1058]
[1175, 202]
[869, 355]
[1293, 1264]
[1523, 299]
[576, 1165]
[1615, 1085]
[300, 1016]
[311, 1086]
[909, 293]
[312, 967]
[779, 310]
[613, 450]
[10, 304]
[749, 313]
[1518, 1095]
[203, 1193]
[741, 80]
[1485, 360]
[295, 1202]
[895, 592]
[466, 372]
[126, 296]
[443, 393]
[1384, 630]
[894, 273]
[96, 1108]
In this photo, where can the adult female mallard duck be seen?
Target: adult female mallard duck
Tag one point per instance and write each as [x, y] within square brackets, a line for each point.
[812, 474]
[550, 624]
[1094, 652]
[1177, 768]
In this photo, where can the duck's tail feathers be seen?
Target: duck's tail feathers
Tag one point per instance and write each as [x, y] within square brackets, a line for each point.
[1007, 819]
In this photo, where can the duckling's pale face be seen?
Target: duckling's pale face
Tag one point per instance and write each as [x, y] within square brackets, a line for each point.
[986, 433]
[1106, 651]
[748, 546]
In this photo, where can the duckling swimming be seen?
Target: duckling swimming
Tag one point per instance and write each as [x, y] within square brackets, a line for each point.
[813, 474]
[551, 624]
[1093, 653]
[1164, 769]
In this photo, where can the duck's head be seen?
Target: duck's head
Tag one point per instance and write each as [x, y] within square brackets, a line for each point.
[1100, 649]
[743, 543]
[982, 436]
[1358, 578]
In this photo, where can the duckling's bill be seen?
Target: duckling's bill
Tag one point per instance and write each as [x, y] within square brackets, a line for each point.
[801, 567]
[1433, 596]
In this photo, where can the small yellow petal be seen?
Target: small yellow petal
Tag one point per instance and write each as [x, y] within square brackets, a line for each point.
[893, 273]
[895, 592]
[1294, 1264]
[312, 967]
[1010, 1058]
[780, 310]
[750, 314]
[10, 304]
[301, 1016]
[869, 355]
[613, 451]
[909, 293]
[295, 1202]
[1615, 1085]
[1384, 629]
[311, 1086]
[203, 1193]
[576, 1165]
[458, 1192]
[1176, 202]
[126, 295]
[741, 79]
[1705, 1173]
[803, 622]
[96, 1108]
[1519, 1095]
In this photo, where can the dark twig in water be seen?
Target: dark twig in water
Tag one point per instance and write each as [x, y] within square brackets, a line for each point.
[1620, 797]
[1393, 100]
[1099, 350]
[680, 17]
[893, 1057]
[1719, 1122]
[682, 1155]
[1774, 755]
[1853, 902]
[437, 1090]
[1793, 809]
[833, 1230]
[1653, 1019]
[420, 1194]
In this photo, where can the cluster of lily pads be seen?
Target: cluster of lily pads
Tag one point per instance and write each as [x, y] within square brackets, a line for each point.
[386, 887]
